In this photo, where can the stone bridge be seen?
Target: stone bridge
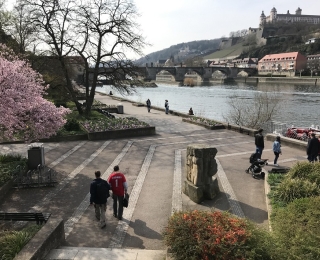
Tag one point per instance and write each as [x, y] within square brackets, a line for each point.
[150, 73]
[205, 73]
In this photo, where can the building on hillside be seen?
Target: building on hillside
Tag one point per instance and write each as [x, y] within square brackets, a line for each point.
[51, 65]
[282, 64]
[245, 63]
[289, 18]
[313, 64]
[312, 40]
[160, 63]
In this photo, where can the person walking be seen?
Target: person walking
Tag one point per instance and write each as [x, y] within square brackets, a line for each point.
[148, 105]
[259, 142]
[119, 188]
[166, 105]
[276, 147]
[99, 193]
[313, 148]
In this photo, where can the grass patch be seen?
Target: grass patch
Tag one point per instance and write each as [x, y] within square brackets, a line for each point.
[11, 242]
[9, 164]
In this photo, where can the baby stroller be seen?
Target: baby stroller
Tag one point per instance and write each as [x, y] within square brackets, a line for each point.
[256, 166]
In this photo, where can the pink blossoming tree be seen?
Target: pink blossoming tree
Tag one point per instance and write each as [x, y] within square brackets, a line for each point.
[24, 113]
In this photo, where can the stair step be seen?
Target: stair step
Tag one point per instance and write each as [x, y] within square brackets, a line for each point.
[90, 253]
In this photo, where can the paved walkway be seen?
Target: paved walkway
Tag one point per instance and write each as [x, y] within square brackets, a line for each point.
[154, 167]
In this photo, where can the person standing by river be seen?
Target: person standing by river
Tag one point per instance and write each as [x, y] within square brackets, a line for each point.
[148, 105]
[259, 142]
[166, 105]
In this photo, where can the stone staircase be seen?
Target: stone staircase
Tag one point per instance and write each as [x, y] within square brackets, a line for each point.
[88, 253]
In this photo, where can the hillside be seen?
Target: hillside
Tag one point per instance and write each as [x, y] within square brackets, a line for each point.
[233, 51]
[278, 38]
[195, 48]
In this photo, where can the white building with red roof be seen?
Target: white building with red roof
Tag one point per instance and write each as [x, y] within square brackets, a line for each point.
[282, 64]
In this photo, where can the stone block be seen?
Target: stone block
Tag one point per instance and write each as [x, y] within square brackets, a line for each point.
[193, 192]
[200, 183]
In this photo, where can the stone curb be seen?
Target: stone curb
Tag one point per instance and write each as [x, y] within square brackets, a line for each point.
[123, 133]
[288, 141]
[268, 203]
[211, 127]
[49, 237]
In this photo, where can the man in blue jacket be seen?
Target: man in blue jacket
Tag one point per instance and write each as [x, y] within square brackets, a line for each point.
[99, 192]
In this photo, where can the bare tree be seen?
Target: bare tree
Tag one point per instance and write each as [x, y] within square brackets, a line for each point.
[244, 32]
[107, 30]
[20, 26]
[101, 32]
[195, 62]
[254, 113]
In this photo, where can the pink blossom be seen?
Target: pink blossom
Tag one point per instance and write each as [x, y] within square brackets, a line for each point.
[24, 113]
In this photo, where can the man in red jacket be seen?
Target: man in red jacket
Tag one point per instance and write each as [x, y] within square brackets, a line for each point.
[119, 188]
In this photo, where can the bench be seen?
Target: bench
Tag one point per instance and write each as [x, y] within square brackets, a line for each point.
[38, 217]
[279, 170]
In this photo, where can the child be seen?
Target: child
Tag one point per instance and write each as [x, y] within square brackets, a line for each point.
[276, 149]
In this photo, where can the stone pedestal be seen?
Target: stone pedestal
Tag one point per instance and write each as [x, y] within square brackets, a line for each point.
[201, 183]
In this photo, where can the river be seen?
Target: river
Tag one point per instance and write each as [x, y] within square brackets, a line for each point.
[300, 103]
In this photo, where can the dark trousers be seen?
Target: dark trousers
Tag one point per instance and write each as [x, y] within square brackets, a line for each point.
[312, 157]
[276, 157]
[118, 210]
[259, 151]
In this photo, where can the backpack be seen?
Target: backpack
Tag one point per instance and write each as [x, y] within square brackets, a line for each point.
[103, 189]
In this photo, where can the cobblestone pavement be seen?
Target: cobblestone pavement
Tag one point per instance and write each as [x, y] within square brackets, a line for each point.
[154, 167]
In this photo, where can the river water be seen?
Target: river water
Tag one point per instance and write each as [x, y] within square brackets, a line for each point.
[300, 103]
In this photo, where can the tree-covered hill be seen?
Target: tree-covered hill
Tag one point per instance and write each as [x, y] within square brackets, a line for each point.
[287, 37]
[195, 48]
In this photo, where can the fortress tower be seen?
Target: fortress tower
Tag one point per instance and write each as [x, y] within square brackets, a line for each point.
[273, 15]
[298, 17]
[262, 19]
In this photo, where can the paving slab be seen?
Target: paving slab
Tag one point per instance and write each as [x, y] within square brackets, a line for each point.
[155, 169]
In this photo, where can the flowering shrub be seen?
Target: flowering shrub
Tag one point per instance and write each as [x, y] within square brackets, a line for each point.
[105, 124]
[215, 235]
[25, 114]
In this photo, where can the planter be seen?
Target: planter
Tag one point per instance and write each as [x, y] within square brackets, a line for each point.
[211, 127]
[66, 138]
[123, 133]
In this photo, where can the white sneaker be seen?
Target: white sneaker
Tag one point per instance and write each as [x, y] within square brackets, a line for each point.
[276, 165]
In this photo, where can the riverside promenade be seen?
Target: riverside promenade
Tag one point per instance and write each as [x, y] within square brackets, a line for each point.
[155, 170]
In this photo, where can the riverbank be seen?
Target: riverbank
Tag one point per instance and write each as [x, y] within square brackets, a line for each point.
[272, 80]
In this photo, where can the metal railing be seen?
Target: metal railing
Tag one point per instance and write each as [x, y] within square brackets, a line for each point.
[299, 133]
[40, 177]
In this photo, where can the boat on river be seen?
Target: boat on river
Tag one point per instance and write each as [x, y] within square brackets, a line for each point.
[302, 133]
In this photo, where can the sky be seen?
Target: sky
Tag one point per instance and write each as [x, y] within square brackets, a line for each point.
[165, 23]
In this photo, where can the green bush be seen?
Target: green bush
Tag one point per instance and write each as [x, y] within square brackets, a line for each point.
[11, 242]
[5, 158]
[72, 125]
[307, 171]
[275, 178]
[296, 228]
[303, 180]
[291, 189]
[215, 235]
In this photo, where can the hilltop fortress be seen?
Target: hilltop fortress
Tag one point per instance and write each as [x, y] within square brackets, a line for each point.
[289, 18]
